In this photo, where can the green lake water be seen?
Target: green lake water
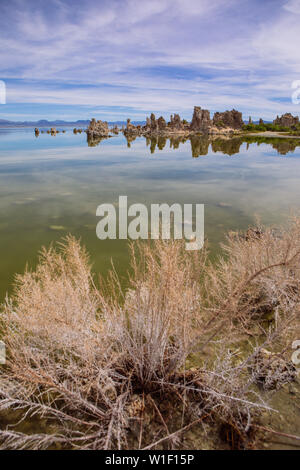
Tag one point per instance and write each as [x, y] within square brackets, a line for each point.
[52, 185]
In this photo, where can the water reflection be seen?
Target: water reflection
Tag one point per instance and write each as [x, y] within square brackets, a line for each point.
[93, 142]
[200, 145]
[51, 186]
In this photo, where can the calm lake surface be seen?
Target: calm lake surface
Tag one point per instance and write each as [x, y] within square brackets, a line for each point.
[52, 185]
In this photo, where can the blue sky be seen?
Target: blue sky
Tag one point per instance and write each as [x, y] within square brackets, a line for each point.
[113, 59]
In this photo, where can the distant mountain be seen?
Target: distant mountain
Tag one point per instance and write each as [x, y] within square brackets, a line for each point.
[3, 122]
[46, 123]
[42, 123]
[121, 123]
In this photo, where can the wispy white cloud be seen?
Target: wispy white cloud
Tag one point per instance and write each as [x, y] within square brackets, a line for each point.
[163, 55]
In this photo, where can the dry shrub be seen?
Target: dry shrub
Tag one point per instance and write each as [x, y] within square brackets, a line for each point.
[259, 279]
[84, 358]
[156, 325]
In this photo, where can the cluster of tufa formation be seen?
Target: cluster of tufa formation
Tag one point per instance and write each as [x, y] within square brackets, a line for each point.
[222, 123]
[115, 129]
[232, 119]
[131, 129]
[176, 124]
[286, 120]
[225, 123]
[53, 131]
[97, 129]
[160, 126]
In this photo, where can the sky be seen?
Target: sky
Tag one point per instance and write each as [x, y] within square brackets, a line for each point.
[113, 59]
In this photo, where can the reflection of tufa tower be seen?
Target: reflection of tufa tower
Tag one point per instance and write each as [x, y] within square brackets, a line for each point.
[199, 145]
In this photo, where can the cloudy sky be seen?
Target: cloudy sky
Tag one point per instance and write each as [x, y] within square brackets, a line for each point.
[111, 59]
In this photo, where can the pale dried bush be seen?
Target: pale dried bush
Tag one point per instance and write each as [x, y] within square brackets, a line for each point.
[93, 361]
[259, 276]
[160, 318]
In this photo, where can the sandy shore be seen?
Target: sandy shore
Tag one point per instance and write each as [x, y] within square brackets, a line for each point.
[272, 134]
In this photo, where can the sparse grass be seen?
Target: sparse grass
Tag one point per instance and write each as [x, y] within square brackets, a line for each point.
[103, 366]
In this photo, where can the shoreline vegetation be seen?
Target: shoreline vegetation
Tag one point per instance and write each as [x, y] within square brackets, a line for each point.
[188, 356]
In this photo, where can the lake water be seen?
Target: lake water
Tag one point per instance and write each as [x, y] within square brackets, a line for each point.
[52, 185]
